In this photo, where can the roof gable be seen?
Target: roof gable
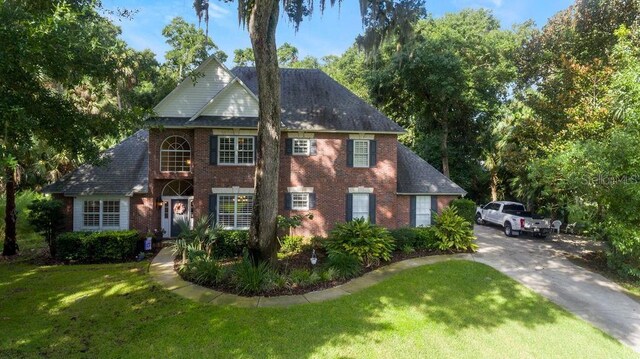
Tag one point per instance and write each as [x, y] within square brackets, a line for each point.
[191, 96]
[235, 100]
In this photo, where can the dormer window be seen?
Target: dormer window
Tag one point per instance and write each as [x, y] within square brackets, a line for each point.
[175, 155]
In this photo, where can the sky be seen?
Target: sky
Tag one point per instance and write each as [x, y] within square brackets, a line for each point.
[330, 33]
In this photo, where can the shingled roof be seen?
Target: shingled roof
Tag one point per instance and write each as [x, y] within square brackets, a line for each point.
[311, 100]
[124, 172]
[416, 176]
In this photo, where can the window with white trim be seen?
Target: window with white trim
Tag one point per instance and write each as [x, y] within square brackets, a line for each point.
[361, 153]
[101, 214]
[301, 146]
[299, 201]
[236, 150]
[423, 211]
[360, 206]
[234, 210]
[175, 155]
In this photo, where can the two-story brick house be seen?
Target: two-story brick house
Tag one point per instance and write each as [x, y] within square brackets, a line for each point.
[340, 159]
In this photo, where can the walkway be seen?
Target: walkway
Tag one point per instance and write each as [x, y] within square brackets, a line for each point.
[161, 270]
[532, 262]
[536, 264]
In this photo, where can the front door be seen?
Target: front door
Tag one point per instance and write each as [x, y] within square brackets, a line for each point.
[179, 213]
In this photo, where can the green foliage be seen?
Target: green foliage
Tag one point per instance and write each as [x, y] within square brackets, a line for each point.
[202, 270]
[249, 278]
[231, 243]
[303, 277]
[367, 242]
[23, 200]
[291, 244]
[46, 217]
[624, 249]
[466, 209]
[408, 249]
[344, 265]
[415, 237]
[97, 247]
[453, 232]
[190, 46]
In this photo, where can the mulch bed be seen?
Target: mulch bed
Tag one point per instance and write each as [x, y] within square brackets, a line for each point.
[302, 261]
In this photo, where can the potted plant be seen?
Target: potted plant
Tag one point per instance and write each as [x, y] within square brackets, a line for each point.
[158, 234]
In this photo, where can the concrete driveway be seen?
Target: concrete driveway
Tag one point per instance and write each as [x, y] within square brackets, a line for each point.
[590, 296]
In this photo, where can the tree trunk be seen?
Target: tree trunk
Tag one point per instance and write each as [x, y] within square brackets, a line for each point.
[494, 186]
[10, 244]
[444, 150]
[263, 229]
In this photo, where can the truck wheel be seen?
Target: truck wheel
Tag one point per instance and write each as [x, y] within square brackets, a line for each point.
[508, 231]
[479, 219]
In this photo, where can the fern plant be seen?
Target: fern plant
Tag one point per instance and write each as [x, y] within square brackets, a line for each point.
[453, 232]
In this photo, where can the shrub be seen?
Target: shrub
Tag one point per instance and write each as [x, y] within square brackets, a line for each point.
[97, 247]
[367, 242]
[426, 238]
[408, 249]
[344, 265]
[291, 244]
[46, 218]
[250, 279]
[231, 243]
[405, 236]
[623, 254]
[303, 277]
[453, 232]
[466, 209]
[202, 270]
[328, 274]
[414, 237]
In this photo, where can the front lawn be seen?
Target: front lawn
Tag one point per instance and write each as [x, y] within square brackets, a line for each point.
[447, 310]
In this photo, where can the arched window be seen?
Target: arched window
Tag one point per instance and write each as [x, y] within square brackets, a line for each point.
[178, 188]
[175, 155]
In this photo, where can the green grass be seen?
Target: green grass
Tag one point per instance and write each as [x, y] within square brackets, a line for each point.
[448, 310]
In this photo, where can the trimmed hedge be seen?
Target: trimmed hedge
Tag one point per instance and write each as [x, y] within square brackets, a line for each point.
[97, 247]
[231, 243]
[466, 209]
[414, 237]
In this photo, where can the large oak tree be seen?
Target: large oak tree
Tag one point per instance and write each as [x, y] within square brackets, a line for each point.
[381, 18]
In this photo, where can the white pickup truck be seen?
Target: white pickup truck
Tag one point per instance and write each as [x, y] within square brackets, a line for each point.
[514, 218]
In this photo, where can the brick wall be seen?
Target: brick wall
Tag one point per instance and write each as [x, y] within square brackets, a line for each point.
[328, 174]
[443, 201]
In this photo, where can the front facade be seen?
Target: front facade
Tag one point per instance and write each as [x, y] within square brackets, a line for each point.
[339, 159]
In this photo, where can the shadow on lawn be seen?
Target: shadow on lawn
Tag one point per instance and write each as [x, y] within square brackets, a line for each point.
[116, 311]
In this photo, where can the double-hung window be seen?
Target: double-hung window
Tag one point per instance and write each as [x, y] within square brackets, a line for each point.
[360, 206]
[423, 211]
[360, 153]
[301, 146]
[234, 210]
[300, 201]
[236, 150]
[101, 214]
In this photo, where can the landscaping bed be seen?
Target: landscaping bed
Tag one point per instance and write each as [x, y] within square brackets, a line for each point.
[301, 261]
[216, 258]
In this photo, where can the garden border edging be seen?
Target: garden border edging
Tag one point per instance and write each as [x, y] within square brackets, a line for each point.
[162, 271]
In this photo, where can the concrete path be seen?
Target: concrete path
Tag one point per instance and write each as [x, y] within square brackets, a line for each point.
[161, 270]
[590, 296]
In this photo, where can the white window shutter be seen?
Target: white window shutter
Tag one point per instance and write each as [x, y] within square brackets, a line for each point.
[77, 214]
[124, 213]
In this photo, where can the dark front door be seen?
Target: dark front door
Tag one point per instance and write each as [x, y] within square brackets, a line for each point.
[179, 213]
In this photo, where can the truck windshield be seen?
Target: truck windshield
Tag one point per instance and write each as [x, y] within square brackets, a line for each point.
[513, 207]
